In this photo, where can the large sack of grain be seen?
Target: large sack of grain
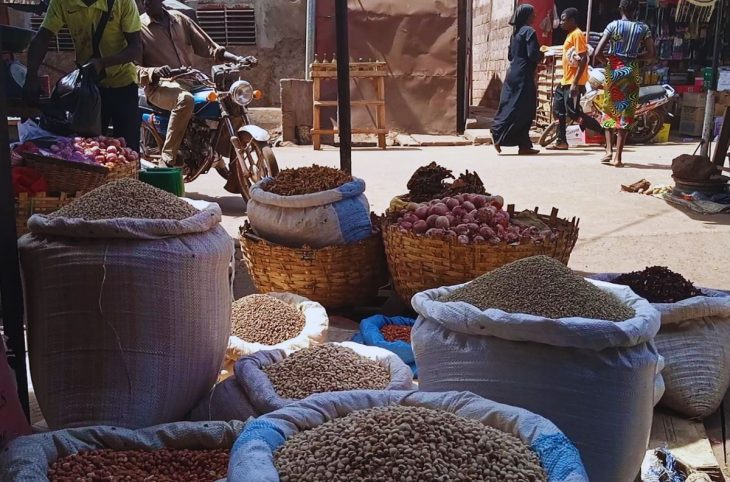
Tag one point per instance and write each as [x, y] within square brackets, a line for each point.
[29, 459]
[334, 217]
[387, 433]
[272, 379]
[594, 378]
[694, 340]
[128, 318]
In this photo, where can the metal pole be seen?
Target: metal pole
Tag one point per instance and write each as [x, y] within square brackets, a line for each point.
[311, 31]
[11, 294]
[709, 124]
[343, 86]
[588, 20]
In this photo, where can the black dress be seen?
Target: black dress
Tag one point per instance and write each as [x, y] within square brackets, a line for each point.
[518, 102]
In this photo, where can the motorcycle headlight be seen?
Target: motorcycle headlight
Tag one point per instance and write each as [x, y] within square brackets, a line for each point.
[241, 92]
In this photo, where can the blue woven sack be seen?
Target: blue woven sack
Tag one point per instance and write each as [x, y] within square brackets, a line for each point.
[371, 335]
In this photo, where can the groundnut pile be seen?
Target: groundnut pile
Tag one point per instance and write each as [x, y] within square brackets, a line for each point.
[307, 180]
[408, 444]
[396, 333]
[658, 284]
[265, 319]
[165, 465]
[541, 286]
[325, 368]
[126, 198]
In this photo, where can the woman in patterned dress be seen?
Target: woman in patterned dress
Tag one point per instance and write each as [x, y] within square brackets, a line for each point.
[624, 38]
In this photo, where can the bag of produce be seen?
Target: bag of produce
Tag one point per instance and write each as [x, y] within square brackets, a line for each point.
[313, 206]
[185, 450]
[75, 106]
[403, 435]
[392, 333]
[694, 338]
[269, 380]
[128, 303]
[12, 418]
[536, 335]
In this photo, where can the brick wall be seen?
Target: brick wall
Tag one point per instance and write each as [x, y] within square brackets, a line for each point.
[491, 36]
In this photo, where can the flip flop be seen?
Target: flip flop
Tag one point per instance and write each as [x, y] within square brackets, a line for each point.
[607, 159]
[556, 147]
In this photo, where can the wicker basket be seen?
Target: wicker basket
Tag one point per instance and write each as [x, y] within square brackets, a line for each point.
[336, 276]
[417, 263]
[70, 176]
[26, 206]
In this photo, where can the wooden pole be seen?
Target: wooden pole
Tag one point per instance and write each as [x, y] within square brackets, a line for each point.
[343, 86]
[709, 121]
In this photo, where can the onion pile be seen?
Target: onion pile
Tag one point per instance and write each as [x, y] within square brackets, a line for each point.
[105, 151]
[468, 219]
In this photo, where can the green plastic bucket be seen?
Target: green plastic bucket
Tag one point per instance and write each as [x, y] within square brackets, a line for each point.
[169, 179]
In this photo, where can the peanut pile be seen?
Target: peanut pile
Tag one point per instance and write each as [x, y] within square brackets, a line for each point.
[164, 465]
[307, 180]
[541, 286]
[396, 333]
[325, 368]
[406, 444]
[265, 319]
[126, 198]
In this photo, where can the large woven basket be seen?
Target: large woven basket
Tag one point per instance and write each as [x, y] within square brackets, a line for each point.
[417, 263]
[26, 206]
[70, 176]
[335, 276]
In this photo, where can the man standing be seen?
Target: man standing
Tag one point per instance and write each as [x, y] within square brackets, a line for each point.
[169, 40]
[566, 100]
[112, 59]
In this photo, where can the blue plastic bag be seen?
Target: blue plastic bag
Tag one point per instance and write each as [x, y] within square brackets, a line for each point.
[371, 335]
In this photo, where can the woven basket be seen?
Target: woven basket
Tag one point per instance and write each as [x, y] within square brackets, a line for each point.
[70, 176]
[336, 276]
[26, 206]
[417, 263]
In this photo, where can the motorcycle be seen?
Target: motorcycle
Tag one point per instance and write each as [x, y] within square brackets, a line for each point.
[649, 116]
[220, 134]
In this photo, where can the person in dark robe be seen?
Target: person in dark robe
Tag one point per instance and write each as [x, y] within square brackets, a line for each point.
[518, 102]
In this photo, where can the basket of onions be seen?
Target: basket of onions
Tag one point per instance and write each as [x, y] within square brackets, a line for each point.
[455, 239]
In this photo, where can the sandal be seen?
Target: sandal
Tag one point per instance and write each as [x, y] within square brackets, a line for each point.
[528, 152]
[607, 159]
[558, 147]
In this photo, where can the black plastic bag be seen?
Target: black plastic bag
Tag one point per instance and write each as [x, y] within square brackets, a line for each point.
[75, 106]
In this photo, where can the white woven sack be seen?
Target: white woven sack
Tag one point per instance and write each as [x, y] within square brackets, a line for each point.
[694, 340]
[595, 379]
[252, 454]
[128, 319]
[27, 459]
[314, 331]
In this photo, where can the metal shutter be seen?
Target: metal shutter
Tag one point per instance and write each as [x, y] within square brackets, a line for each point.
[229, 26]
[61, 42]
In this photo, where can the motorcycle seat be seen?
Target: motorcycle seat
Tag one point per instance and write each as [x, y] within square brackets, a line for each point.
[653, 92]
[144, 105]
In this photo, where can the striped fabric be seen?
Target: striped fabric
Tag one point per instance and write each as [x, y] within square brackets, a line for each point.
[626, 38]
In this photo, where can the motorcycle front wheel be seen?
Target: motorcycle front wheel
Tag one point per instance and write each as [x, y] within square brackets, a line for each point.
[255, 162]
[549, 136]
[647, 127]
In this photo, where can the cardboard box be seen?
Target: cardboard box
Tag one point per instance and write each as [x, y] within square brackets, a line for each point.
[574, 135]
[693, 99]
[691, 120]
[593, 138]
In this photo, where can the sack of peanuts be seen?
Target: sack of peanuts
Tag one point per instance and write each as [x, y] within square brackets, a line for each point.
[693, 339]
[274, 321]
[392, 333]
[173, 451]
[536, 335]
[12, 418]
[403, 435]
[269, 380]
[299, 213]
[135, 286]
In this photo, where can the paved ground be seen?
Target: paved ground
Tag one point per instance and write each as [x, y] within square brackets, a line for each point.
[619, 231]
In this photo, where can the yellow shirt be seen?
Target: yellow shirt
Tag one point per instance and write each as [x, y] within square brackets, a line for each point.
[82, 20]
[575, 44]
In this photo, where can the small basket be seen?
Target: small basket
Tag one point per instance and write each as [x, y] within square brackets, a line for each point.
[70, 176]
[26, 206]
[417, 263]
[335, 276]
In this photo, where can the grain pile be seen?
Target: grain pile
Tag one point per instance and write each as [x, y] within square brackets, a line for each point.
[396, 333]
[408, 444]
[658, 284]
[541, 286]
[126, 198]
[325, 368]
[265, 319]
[165, 465]
[307, 180]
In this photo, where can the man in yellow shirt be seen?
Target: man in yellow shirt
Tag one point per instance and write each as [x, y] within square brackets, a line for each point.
[566, 100]
[119, 46]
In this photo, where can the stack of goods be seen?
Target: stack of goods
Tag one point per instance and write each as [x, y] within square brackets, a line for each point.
[392, 333]
[534, 334]
[169, 452]
[403, 436]
[430, 182]
[121, 275]
[311, 233]
[274, 321]
[693, 338]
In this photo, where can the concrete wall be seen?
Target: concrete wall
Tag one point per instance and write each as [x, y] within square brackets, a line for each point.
[491, 35]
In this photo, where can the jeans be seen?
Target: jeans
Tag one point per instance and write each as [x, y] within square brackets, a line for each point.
[120, 106]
